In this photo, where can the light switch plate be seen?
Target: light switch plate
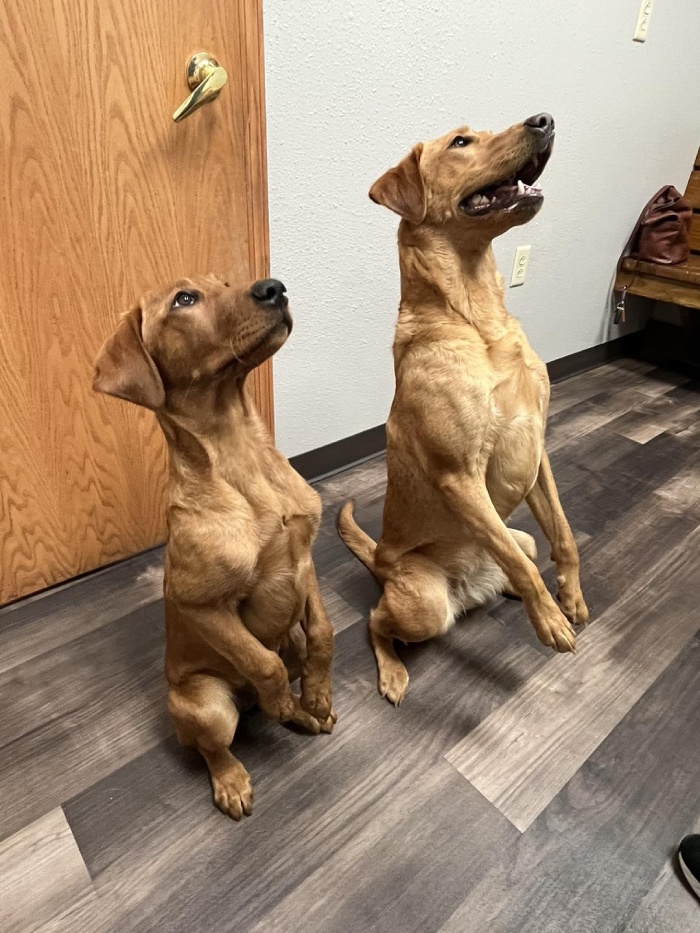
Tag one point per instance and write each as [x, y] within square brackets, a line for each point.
[640, 33]
[522, 257]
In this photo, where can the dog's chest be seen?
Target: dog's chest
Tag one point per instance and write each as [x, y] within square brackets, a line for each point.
[288, 545]
[279, 587]
[286, 533]
[517, 417]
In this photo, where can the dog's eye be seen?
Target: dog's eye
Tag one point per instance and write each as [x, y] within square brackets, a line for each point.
[459, 142]
[185, 300]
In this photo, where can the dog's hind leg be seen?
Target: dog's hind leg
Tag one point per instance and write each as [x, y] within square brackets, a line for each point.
[293, 652]
[205, 716]
[316, 671]
[525, 542]
[415, 606]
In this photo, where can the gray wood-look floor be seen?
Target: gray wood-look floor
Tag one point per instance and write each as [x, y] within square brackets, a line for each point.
[514, 790]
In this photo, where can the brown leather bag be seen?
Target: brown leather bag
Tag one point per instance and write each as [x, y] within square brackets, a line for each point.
[660, 235]
[663, 228]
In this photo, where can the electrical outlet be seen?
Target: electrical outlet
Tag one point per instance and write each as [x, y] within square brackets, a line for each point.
[640, 33]
[522, 257]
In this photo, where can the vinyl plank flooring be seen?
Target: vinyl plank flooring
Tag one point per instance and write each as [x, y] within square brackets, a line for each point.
[77, 712]
[56, 617]
[671, 414]
[680, 493]
[590, 414]
[602, 497]
[616, 376]
[624, 552]
[314, 796]
[590, 861]
[521, 756]
[355, 585]
[668, 904]
[330, 552]
[341, 613]
[372, 828]
[365, 483]
[635, 411]
[384, 875]
[42, 874]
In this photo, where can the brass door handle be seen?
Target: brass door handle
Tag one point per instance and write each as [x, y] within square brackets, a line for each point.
[205, 77]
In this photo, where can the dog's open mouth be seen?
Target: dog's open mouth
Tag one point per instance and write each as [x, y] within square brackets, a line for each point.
[519, 189]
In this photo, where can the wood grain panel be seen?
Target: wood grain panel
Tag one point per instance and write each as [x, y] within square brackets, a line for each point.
[692, 192]
[107, 198]
[688, 271]
[694, 237]
[648, 286]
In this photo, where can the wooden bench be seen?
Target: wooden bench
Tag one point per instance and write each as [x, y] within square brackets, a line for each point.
[678, 284]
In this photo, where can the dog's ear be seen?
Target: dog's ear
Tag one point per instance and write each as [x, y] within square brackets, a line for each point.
[124, 368]
[401, 189]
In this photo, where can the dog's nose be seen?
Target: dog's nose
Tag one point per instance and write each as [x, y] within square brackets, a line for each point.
[269, 292]
[541, 123]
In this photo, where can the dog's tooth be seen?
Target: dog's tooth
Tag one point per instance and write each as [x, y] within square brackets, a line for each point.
[521, 187]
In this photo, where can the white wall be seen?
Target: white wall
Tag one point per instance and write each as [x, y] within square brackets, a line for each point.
[352, 84]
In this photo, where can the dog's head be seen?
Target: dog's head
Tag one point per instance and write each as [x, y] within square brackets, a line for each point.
[198, 330]
[483, 182]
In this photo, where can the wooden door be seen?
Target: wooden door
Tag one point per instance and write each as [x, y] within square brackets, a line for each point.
[102, 197]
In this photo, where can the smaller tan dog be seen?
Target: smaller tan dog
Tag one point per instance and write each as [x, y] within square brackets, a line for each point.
[240, 586]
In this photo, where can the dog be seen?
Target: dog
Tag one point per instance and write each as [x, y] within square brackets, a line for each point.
[243, 612]
[465, 435]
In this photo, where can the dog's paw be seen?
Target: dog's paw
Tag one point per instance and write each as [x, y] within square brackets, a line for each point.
[304, 720]
[279, 706]
[327, 726]
[233, 792]
[316, 700]
[554, 629]
[393, 681]
[573, 605]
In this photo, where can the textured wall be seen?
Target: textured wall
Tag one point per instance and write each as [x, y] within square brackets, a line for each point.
[352, 84]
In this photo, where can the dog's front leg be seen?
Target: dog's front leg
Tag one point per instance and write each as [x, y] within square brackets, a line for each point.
[316, 671]
[226, 633]
[543, 500]
[468, 497]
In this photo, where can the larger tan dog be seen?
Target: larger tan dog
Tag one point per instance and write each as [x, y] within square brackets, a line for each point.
[240, 587]
[465, 436]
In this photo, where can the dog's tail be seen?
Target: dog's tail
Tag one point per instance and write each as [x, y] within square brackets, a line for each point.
[359, 542]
